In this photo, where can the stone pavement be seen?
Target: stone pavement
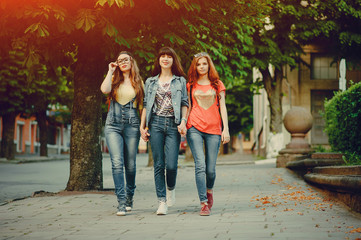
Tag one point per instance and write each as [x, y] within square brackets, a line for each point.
[252, 201]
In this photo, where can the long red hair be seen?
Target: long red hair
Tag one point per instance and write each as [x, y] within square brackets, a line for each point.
[193, 75]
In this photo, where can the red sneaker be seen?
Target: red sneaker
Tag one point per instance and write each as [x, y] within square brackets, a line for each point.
[205, 210]
[210, 200]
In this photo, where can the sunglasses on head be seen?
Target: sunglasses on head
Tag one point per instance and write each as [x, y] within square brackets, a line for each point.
[201, 54]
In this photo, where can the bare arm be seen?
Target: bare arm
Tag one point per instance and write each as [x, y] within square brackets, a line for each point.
[223, 110]
[106, 86]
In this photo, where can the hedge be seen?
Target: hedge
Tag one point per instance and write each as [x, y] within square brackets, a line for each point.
[343, 121]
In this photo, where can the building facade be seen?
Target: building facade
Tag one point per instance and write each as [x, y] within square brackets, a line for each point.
[26, 136]
[314, 80]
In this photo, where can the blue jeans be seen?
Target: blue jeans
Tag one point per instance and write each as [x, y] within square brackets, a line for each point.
[204, 160]
[122, 136]
[164, 141]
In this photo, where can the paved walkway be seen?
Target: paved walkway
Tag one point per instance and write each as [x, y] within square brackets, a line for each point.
[252, 201]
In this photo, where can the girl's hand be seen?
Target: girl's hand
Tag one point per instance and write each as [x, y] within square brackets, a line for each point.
[182, 129]
[144, 134]
[112, 66]
[225, 137]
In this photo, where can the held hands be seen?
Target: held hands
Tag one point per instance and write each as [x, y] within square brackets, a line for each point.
[225, 136]
[144, 134]
[182, 129]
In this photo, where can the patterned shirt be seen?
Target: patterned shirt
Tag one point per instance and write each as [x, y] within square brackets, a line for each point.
[163, 101]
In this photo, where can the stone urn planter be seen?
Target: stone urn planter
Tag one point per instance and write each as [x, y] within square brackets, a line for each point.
[297, 121]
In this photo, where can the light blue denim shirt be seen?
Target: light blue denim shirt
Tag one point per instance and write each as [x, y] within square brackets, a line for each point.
[178, 89]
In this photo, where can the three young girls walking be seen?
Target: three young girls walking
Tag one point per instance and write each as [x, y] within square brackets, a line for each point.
[171, 108]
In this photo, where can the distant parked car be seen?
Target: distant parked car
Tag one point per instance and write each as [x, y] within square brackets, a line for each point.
[183, 145]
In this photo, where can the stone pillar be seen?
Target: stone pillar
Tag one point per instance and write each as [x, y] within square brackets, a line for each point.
[297, 121]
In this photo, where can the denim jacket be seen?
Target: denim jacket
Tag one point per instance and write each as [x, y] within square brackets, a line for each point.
[179, 96]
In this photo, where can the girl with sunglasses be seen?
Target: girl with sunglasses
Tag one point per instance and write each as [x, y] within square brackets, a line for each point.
[125, 87]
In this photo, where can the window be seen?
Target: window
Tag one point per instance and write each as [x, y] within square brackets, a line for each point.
[20, 136]
[51, 134]
[323, 67]
[318, 136]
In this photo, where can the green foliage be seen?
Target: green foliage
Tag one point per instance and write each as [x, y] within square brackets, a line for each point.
[338, 23]
[13, 82]
[53, 29]
[320, 148]
[28, 91]
[342, 117]
[351, 159]
[239, 102]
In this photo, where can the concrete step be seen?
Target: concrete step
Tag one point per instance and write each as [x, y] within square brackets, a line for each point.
[314, 162]
[330, 155]
[339, 183]
[338, 170]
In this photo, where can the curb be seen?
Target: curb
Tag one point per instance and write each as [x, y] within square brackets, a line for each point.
[33, 160]
[312, 162]
[340, 183]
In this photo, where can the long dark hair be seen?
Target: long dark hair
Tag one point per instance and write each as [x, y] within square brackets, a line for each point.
[177, 68]
[135, 79]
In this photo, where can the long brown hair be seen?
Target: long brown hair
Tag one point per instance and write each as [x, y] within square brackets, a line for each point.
[135, 79]
[177, 68]
[193, 75]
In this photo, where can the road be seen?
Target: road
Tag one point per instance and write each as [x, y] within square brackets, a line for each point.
[252, 201]
[21, 180]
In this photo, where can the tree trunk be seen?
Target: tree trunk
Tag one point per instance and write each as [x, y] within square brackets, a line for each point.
[85, 151]
[273, 88]
[7, 143]
[43, 130]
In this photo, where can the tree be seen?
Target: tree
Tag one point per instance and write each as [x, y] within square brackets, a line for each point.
[94, 30]
[49, 89]
[291, 25]
[339, 25]
[276, 44]
[13, 78]
[27, 93]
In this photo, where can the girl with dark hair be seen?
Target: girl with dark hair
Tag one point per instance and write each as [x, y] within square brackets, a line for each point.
[126, 93]
[207, 113]
[165, 105]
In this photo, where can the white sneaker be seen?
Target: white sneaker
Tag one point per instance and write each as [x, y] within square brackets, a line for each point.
[170, 197]
[121, 210]
[163, 208]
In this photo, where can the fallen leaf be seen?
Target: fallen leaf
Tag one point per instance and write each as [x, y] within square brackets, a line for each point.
[356, 230]
[288, 209]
